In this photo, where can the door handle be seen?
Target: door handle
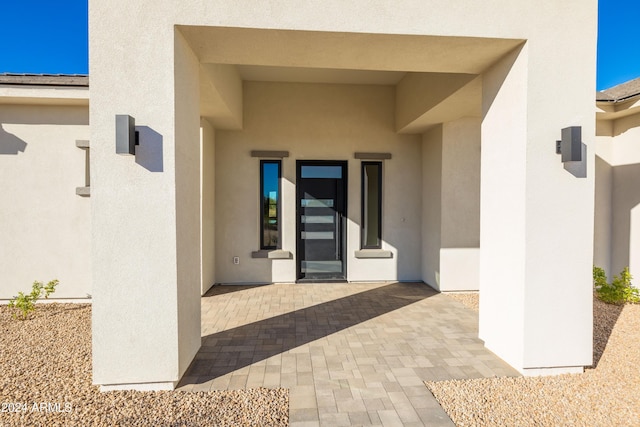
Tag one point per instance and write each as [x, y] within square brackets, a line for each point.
[337, 235]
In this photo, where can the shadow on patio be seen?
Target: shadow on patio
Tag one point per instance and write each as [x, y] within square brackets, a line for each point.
[232, 349]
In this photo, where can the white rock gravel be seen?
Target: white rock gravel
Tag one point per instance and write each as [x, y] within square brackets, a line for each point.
[607, 395]
[469, 299]
[47, 360]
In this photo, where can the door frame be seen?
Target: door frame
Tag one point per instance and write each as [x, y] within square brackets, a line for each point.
[343, 218]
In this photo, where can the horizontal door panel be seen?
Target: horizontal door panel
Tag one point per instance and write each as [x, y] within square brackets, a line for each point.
[309, 212]
[317, 235]
[321, 266]
[319, 250]
[318, 227]
[317, 203]
[318, 219]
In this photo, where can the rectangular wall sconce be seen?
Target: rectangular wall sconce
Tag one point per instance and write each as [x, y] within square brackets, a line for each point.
[126, 135]
[570, 147]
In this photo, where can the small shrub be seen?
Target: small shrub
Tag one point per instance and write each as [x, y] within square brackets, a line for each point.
[619, 291]
[599, 277]
[25, 303]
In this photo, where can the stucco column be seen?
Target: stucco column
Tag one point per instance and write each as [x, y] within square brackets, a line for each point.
[145, 208]
[536, 214]
[451, 205]
[460, 204]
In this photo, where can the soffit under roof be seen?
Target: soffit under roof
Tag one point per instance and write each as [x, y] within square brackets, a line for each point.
[343, 58]
[344, 51]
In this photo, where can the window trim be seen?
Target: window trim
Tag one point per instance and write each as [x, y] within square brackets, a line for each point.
[363, 235]
[278, 205]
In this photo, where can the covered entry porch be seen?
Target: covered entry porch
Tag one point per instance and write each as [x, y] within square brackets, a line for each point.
[415, 115]
[208, 84]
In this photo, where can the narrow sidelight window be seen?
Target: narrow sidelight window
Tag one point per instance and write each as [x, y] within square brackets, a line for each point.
[270, 204]
[371, 205]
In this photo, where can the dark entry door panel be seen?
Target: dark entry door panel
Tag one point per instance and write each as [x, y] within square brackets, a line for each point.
[321, 217]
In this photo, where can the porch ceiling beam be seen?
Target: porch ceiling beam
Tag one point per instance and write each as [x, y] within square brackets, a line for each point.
[351, 51]
[424, 100]
[221, 95]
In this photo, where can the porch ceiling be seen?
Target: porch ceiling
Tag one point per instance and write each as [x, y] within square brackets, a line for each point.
[347, 58]
[346, 51]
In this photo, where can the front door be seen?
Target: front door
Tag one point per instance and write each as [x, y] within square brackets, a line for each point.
[321, 219]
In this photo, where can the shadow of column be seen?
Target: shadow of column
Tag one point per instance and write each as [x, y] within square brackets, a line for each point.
[605, 317]
[232, 349]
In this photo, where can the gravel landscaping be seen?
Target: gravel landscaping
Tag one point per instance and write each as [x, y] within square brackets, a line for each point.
[606, 395]
[469, 299]
[46, 380]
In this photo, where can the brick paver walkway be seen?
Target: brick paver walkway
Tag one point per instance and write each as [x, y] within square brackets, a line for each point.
[350, 353]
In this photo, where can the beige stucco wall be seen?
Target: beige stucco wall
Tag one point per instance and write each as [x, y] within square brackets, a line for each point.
[603, 215]
[221, 94]
[625, 206]
[451, 205]
[431, 205]
[188, 184]
[617, 220]
[45, 226]
[460, 245]
[208, 195]
[316, 122]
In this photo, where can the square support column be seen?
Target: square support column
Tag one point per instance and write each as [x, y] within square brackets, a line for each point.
[536, 218]
[145, 210]
[451, 205]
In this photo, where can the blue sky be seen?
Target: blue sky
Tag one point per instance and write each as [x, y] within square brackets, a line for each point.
[46, 36]
[618, 42]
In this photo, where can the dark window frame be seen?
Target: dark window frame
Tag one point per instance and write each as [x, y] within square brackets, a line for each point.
[363, 230]
[278, 205]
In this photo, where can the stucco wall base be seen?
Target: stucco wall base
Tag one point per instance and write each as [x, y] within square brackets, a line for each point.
[161, 386]
[539, 372]
[459, 269]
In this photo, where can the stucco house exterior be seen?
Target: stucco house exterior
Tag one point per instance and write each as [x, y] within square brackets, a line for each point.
[617, 194]
[352, 141]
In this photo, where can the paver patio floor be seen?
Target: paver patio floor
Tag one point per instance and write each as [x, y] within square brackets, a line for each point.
[350, 353]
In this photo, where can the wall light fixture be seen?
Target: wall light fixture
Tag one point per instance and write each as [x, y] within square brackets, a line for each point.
[126, 134]
[570, 146]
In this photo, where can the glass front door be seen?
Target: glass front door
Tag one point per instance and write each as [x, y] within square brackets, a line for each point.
[321, 220]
